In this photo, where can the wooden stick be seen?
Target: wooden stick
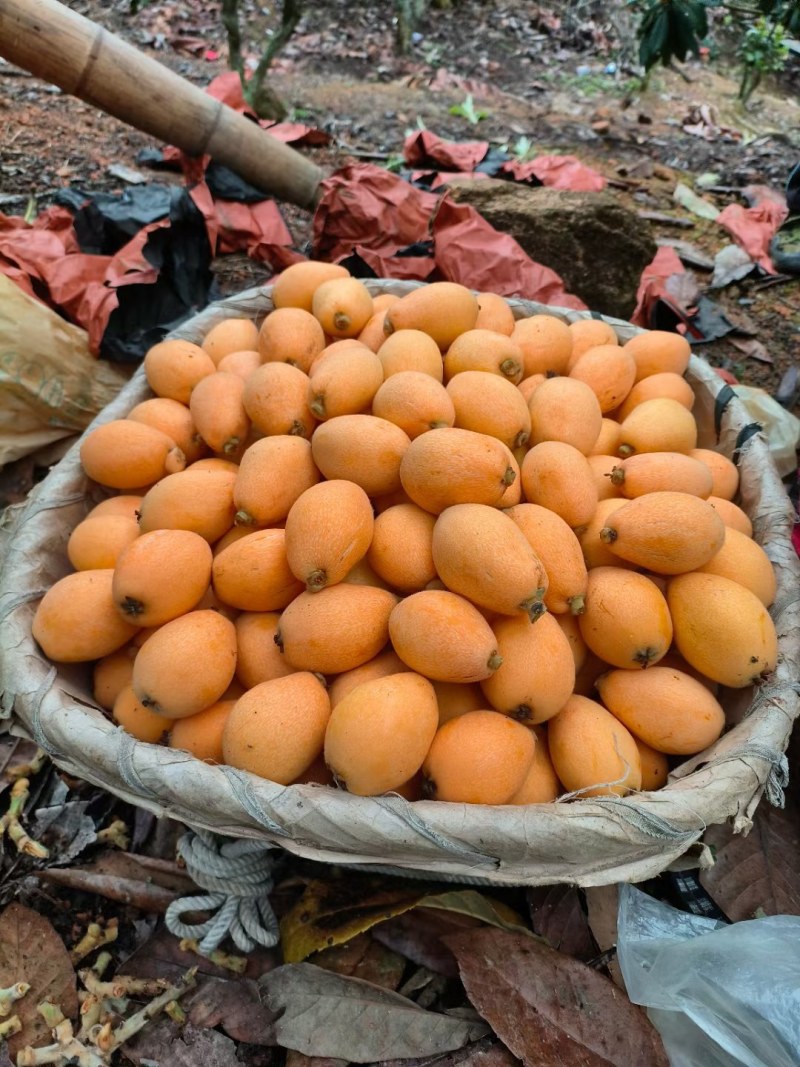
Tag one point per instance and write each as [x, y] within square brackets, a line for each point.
[84, 60]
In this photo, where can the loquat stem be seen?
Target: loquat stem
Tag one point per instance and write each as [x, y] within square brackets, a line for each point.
[91, 1010]
[9, 1026]
[10, 995]
[94, 938]
[134, 1023]
[237, 964]
[100, 965]
[67, 1049]
[116, 833]
[102, 1036]
[29, 769]
[51, 1013]
[122, 985]
[10, 822]
[577, 604]
[176, 1012]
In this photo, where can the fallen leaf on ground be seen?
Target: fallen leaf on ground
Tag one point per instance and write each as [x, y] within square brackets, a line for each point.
[752, 348]
[551, 1010]
[488, 1052]
[786, 393]
[235, 1005]
[31, 951]
[162, 957]
[333, 911]
[558, 917]
[162, 1043]
[326, 1014]
[219, 998]
[297, 1059]
[731, 264]
[418, 934]
[65, 829]
[477, 906]
[138, 894]
[687, 198]
[761, 870]
[363, 957]
[602, 904]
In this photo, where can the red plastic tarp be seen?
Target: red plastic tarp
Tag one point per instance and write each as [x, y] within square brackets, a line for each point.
[558, 172]
[653, 285]
[425, 149]
[752, 228]
[378, 215]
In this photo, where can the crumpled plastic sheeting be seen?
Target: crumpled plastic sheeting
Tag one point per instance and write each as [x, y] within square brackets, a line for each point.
[368, 211]
[752, 228]
[362, 204]
[469, 250]
[558, 172]
[126, 291]
[426, 149]
[92, 261]
[258, 229]
[720, 995]
[653, 287]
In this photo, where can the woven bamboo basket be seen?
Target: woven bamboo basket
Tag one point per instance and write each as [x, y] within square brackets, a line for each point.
[586, 842]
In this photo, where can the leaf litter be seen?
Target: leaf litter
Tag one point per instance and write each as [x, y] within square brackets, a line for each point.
[549, 1009]
[325, 1014]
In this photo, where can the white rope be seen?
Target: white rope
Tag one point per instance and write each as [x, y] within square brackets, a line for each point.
[238, 877]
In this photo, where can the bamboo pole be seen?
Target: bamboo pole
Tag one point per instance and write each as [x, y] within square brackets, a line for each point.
[56, 44]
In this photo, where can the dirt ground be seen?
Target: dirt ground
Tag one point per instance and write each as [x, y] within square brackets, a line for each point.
[521, 62]
[536, 71]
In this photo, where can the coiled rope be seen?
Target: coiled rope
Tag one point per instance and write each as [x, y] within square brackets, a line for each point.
[238, 877]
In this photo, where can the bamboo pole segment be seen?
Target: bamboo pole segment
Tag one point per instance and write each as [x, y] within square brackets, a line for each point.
[60, 46]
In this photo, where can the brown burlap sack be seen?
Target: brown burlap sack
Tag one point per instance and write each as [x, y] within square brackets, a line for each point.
[588, 842]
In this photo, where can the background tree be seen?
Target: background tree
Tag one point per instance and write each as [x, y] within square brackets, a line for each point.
[258, 93]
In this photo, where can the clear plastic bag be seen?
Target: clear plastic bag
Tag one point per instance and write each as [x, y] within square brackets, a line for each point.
[720, 995]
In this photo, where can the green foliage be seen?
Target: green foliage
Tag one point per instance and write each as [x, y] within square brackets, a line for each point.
[671, 29]
[762, 51]
[764, 47]
[468, 111]
[674, 29]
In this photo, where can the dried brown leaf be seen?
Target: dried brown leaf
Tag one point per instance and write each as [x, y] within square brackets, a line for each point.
[326, 1014]
[417, 935]
[233, 1004]
[362, 957]
[752, 348]
[161, 1042]
[762, 870]
[297, 1059]
[488, 1052]
[333, 911]
[602, 904]
[162, 957]
[31, 951]
[477, 906]
[551, 1010]
[558, 917]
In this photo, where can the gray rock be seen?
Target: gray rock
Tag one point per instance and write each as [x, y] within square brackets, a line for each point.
[597, 246]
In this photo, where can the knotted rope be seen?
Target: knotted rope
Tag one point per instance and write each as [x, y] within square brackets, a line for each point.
[238, 877]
